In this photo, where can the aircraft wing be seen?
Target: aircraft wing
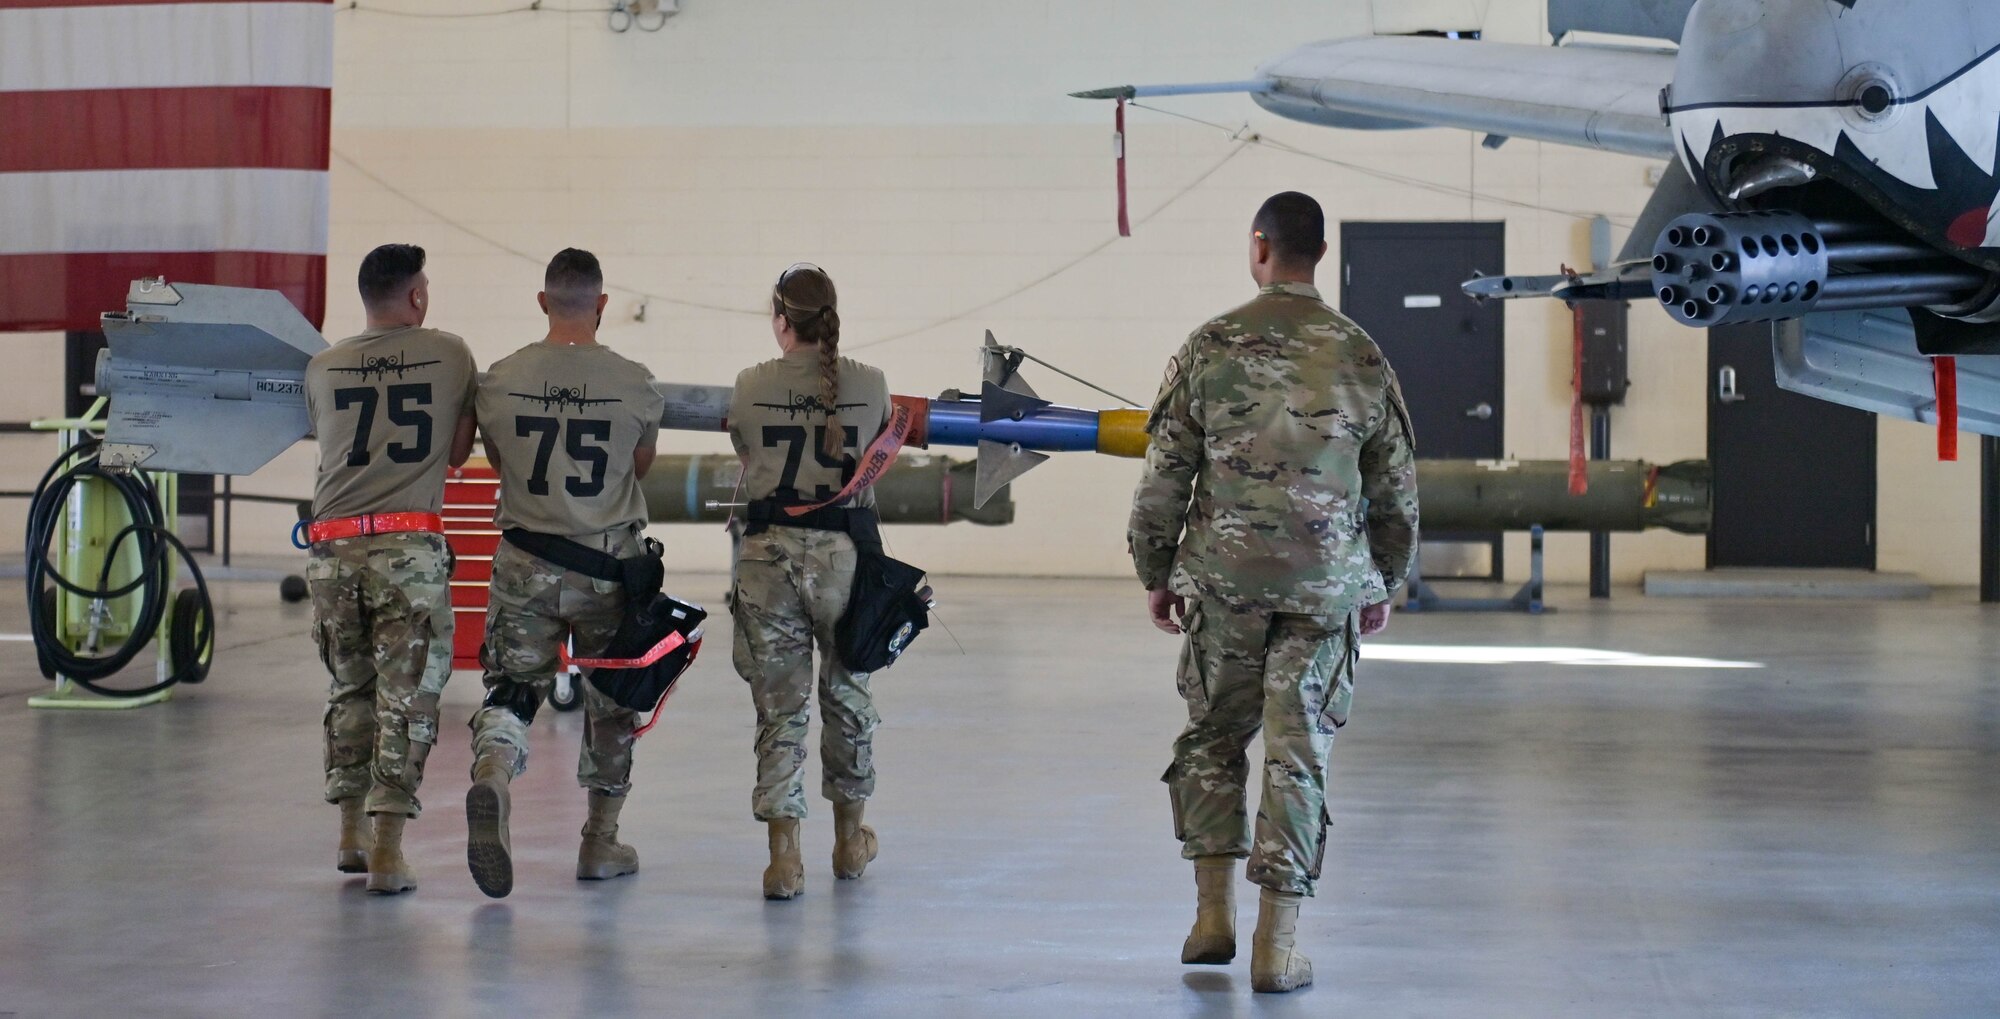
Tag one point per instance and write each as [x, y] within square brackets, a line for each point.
[1588, 96]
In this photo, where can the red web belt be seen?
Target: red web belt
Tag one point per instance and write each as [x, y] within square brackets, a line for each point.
[373, 523]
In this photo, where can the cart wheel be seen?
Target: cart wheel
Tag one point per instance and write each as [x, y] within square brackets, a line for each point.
[190, 637]
[568, 691]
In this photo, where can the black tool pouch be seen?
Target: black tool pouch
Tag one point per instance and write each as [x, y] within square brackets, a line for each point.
[644, 575]
[657, 640]
[658, 636]
[887, 608]
[888, 605]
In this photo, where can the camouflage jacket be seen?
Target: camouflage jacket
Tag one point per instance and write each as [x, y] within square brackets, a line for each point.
[1282, 471]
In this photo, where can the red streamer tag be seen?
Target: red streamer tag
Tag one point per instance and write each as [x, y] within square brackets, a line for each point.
[1118, 150]
[659, 651]
[875, 461]
[1944, 377]
[1579, 479]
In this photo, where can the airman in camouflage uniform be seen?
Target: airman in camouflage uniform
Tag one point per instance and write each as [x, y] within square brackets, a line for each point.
[1278, 509]
[382, 607]
[570, 425]
[799, 422]
[390, 408]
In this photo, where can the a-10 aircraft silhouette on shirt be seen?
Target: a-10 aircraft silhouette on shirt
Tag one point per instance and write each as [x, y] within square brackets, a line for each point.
[564, 397]
[800, 403]
[381, 365]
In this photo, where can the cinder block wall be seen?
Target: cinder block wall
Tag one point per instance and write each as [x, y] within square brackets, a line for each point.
[924, 152]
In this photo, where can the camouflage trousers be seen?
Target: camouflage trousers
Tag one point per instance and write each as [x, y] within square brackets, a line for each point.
[1291, 675]
[533, 607]
[382, 619]
[792, 586]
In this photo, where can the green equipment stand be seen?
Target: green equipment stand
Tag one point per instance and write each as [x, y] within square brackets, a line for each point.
[94, 514]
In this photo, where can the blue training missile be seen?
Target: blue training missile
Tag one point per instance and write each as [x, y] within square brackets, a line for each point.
[1013, 429]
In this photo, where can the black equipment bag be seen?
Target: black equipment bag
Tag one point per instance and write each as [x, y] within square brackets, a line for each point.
[656, 642]
[658, 636]
[888, 607]
[889, 604]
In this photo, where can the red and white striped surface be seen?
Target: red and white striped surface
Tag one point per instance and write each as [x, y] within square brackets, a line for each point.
[161, 138]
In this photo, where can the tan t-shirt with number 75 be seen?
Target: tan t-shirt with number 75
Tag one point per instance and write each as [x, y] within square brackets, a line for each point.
[778, 420]
[564, 421]
[384, 407]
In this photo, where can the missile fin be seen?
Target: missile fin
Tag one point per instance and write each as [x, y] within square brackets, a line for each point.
[992, 361]
[1002, 367]
[123, 456]
[999, 464]
[998, 404]
[204, 379]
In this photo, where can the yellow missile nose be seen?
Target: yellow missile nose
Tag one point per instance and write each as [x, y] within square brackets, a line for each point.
[1121, 432]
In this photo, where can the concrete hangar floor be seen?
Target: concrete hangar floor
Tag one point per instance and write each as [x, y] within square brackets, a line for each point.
[1661, 834]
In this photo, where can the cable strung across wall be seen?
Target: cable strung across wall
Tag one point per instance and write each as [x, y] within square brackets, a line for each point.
[1244, 134]
[1064, 267]
[622, 16]
[1243, 138]
[1233, 152]
[499, 245]
[527, 8]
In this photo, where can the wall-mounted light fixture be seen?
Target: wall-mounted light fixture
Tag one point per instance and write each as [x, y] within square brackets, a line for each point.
[647, 15]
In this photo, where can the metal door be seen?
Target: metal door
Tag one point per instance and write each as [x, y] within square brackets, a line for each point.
[1794, 476]
[1400, 281]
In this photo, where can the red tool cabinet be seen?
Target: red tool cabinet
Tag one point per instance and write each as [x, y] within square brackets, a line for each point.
[469, 496]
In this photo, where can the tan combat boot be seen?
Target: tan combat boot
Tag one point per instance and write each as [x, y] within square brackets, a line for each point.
[854, 843]
[1213, 940]
[601, 855]
[487, 850]
[354, 839]
[1276, 964]
[388, 872]
[785, 878]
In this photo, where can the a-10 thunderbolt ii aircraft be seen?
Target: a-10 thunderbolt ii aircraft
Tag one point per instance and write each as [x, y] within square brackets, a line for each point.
[1836, 168]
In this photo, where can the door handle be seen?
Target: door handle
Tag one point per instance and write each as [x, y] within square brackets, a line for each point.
[1725, 386]
[1483, 412]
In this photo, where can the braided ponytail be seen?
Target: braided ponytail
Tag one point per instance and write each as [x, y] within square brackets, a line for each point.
[829, 381]
[805, 297]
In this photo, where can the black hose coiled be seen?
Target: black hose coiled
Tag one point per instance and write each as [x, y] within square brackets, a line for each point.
[151, 539]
